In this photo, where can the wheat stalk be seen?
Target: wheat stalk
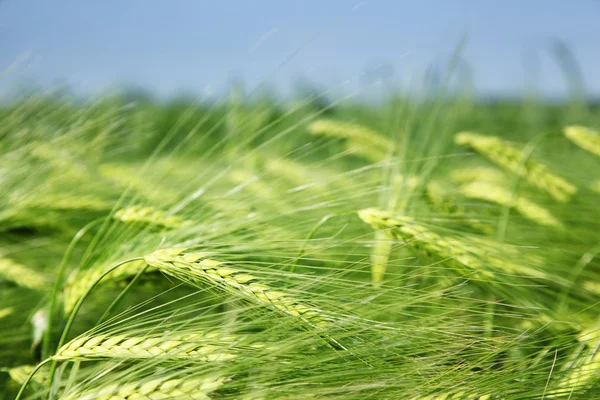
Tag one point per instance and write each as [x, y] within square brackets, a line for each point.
[460, 255]
[21, 275]
[586, 138]
[199, 267]
[201, 347]
[19, 374]
[509, 157]
[358, 134]
[191, 389]
[80, 280]
[499, 195]
[149, 216]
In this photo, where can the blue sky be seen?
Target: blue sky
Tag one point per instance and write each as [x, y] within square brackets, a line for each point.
[173, 46]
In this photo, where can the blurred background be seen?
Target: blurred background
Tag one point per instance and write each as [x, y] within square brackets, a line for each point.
[165, 49]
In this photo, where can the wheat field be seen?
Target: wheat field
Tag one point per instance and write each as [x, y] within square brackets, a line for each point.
[437, 248]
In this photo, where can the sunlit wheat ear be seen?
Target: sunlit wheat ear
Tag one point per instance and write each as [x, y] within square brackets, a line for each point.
[485, 174]
[54, 202]
[404, 228]
[592, 286]
[357, 134]
[149, 216]
[190, 388]
[22, 275]
[199, 268]
[586, 138]
[364, 150]
[6, 311]
[19, 374]
[80, 280]
[511, 158]
[465, 258]
[502, 196]
[207, 347]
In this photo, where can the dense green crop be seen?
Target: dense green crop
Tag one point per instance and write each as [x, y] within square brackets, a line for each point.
[417, 249]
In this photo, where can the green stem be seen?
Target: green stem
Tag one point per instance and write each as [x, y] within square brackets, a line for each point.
[31, 374]
[526, 154]
[314, 230]
[122, 295]
[58, 283]
[71, 319]
[576, 272]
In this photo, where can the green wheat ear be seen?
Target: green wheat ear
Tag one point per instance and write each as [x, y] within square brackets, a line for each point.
[502, 196]
[149, 216]
[199, 268]
[6, 311]
[208, 347]
[22, 275]
[157, 388]
[80, 280]
[586, 138]
[466, 258]
[509, 157]
[357, 135]
[19, 374]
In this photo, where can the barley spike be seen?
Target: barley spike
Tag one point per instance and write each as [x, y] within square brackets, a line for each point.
[21, 275]
[586, 138]
[152, 389]
[199, 267]
[202, 347]
[509, 157]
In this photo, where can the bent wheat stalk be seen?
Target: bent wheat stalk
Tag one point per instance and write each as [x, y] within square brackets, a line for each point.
[73, 314]
[458, 254]
[80, 280]
[199, 267]
[512, 159]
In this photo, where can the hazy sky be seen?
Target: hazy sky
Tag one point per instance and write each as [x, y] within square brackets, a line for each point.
[177, 45]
